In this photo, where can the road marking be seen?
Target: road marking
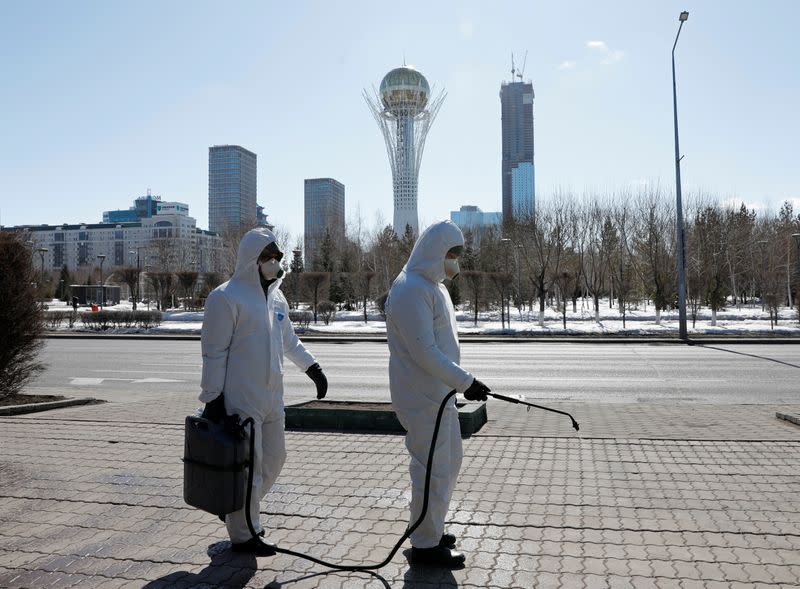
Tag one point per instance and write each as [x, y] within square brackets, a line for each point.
[567, 379]
[81, 382]
[145, 372]
[84, 381]
[173, 364]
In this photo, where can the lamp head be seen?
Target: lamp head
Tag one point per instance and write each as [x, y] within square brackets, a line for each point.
[684, 16]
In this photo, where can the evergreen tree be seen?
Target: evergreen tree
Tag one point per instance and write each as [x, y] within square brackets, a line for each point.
[63, 284]
[297, 261]
[455, 292]
[407, 242]
[326, 260]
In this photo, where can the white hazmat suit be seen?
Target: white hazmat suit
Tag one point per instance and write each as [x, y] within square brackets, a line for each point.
[245, 335]
[424, 358]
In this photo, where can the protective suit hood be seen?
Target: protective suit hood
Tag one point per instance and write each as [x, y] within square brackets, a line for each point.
[427, 257]
[251, 246]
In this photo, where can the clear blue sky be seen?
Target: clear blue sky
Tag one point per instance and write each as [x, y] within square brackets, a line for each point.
[101, 100]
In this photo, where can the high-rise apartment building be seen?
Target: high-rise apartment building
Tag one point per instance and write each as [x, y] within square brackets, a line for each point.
[324, 211]
[518, 172]
[231, 188]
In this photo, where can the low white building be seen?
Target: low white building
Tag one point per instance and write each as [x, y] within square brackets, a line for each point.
[167, 241]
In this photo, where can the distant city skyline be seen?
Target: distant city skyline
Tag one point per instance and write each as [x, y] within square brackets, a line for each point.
[87, 94]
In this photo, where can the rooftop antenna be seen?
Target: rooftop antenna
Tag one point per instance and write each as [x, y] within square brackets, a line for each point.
[521, 71]
[512, 66]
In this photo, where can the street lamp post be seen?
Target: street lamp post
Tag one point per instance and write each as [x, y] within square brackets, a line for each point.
[138, 276]
[146, 292]
[683, 334]
[42, 251]
[517, 250]
[796, 237]
[762, 244]
[102, 258]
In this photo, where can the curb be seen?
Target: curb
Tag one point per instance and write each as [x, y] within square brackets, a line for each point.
[36, 407]
[795, 419]
[467, 338]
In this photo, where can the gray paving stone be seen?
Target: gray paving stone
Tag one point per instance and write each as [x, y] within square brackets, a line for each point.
[661, 502]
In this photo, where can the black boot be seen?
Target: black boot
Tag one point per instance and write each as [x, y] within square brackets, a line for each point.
[448, 540]
[255, 546]
[439, 556]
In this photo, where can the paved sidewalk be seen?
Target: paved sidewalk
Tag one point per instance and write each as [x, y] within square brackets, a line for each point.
[646, 495]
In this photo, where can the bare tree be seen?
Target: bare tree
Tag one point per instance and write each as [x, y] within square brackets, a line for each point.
[315, 283]
[187, 281]
[163, 284]
[231, 236]
[653, 245]
[542, 240]
[364, 281]
[502, 282]
[620, 261]
[563, 280]
[710, 246]
[210, 281]
[129, 275]
[594, 254]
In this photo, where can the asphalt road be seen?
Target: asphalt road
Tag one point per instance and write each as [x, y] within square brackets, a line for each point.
[647, 373]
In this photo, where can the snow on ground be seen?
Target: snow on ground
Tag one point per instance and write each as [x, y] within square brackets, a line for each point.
[746, 320]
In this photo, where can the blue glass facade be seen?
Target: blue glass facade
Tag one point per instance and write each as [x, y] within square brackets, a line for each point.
[231, 188]
[324, 211]
[143, 207]
[471, 217]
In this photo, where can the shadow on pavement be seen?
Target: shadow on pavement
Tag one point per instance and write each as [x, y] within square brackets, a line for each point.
[346, 574]
[746, 354]
[225, 569]
[427, 576]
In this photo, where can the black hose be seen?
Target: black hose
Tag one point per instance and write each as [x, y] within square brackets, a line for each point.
[414, 526]
[403, 538]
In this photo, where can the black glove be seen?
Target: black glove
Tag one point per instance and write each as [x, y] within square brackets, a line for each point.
[315, 373]
[215, 410]
[476, 391]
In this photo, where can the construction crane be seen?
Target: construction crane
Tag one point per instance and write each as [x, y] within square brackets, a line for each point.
[518, 72]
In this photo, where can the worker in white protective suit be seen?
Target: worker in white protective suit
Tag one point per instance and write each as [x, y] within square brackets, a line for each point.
[246, 332]
[424, 358]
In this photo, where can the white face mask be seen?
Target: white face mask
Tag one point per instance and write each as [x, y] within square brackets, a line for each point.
[451, 267]
[271, 269]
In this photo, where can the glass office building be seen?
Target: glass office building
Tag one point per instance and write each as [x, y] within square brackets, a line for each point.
[473, 218]
[324, 211]
[143, 207]
[516, 105]
[231, 188]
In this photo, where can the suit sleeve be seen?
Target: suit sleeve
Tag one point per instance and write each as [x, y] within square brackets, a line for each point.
[293, 348]
[215, 341]
[412, 318]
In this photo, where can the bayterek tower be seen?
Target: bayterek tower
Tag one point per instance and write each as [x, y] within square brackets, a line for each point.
[404, 111]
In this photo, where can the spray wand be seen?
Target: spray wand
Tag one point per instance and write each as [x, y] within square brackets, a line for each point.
[529, 405]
